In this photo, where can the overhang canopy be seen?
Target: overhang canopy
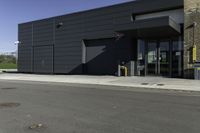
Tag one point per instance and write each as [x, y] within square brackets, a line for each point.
[153, 27]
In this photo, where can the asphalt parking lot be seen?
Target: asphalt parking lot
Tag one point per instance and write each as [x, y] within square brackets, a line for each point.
[38, 107]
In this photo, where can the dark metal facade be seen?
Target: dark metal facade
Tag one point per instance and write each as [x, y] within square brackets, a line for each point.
[64, 44]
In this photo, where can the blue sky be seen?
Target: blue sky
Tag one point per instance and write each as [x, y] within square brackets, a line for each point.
[13, 12]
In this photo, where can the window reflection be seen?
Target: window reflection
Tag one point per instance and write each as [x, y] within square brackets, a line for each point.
[177, 58]
[141, 57]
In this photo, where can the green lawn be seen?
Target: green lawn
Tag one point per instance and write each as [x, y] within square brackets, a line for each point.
[8, 66]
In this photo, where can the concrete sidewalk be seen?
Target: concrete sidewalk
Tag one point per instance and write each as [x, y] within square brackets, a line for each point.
[8, 70]
[144, 82]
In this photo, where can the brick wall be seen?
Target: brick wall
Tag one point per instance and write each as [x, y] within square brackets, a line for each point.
[191, 36]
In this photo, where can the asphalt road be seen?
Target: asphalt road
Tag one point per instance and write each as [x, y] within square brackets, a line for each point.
[67, 108]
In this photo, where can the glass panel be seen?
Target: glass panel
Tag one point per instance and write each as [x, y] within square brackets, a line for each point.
[141, 57]
[152, 58]
[164, 58]
[177, 54]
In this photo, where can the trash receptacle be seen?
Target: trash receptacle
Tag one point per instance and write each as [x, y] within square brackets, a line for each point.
[197, 71]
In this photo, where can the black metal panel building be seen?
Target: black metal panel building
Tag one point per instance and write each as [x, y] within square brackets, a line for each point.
[96, 41]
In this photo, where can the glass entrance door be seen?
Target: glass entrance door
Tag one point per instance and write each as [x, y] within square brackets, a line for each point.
[164, 58]
[152, 54]
[158, 58]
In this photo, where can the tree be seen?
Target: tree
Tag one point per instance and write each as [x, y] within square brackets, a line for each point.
[7, 59]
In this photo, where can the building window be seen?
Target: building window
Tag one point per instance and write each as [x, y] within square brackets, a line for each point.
[177, 58]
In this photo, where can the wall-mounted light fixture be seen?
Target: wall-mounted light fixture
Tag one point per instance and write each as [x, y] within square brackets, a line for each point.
[119, 35]
[59, 25]
[17, 42]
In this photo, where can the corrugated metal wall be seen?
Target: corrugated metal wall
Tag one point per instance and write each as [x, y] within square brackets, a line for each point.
[64, 44]
[43, 59]
[25, 54]
[68, 50]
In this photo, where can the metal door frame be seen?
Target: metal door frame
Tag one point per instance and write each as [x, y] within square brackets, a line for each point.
[157, 67]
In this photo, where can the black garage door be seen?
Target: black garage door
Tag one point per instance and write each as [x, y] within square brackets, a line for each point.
[100, 57]
[43, 59]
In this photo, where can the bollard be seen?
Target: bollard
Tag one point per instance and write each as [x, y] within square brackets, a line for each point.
[125, 70]
[119, 71]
